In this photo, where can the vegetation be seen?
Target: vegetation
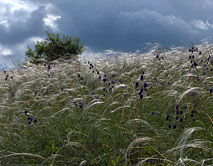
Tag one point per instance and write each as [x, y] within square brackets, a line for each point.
[54, 48]
[153, 109]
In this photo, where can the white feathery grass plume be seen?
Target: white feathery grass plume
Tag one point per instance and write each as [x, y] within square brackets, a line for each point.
[113, 103]
[136, 141]
[204, 160]
[140, 163]
[23, 154]
[122, 107]
[89, 106]
[182, 144]
[84, 162]
[188, 91]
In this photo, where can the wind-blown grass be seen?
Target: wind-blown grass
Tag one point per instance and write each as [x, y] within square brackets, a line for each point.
[149, 109]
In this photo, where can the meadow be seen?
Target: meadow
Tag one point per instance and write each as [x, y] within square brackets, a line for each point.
[151, 109]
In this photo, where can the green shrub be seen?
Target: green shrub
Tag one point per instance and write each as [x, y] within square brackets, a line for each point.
[54, 48]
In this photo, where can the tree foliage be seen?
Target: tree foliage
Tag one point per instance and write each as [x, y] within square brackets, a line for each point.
[54, 48]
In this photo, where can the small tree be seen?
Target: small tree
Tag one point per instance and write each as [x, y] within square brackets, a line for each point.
[54, 48]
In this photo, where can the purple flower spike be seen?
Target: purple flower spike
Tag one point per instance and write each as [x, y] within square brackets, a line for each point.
[105, 89]
[26, 112]
[30, 119]
[12, 93]
[36, 92]
[141, 90]
[145, 85]
[49, 68]
[47, 91]
[167, 118]
[136, 84]
[35, 121]
[6, 78]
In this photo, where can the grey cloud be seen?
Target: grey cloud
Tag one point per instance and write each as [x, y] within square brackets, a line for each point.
[128, 26]
[125, 25]
[22, 29]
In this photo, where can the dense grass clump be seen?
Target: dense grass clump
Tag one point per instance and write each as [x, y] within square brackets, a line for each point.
[150, 109]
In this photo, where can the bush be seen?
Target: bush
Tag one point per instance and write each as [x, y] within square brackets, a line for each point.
[54, 48]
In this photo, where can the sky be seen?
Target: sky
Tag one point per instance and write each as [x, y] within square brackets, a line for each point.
[119, 25]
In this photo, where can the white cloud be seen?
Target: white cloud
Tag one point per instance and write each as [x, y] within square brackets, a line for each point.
[50, 21]
[21, 47]
[4, 23]
[18, 5]
[35, 39]
[202, 25]
[4, 51]
[16, 53]
[49, 7]
[9, 7]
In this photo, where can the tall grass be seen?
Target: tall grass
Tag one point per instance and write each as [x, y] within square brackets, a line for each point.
[149, 109]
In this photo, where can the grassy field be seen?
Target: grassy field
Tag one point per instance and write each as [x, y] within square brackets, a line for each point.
[153, 109]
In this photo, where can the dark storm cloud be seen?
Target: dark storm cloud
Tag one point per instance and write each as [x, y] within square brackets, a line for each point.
[128, 25]
[125, 25]
[20, 30]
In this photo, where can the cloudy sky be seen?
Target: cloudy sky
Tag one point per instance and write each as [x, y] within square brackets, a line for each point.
[120, 25]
